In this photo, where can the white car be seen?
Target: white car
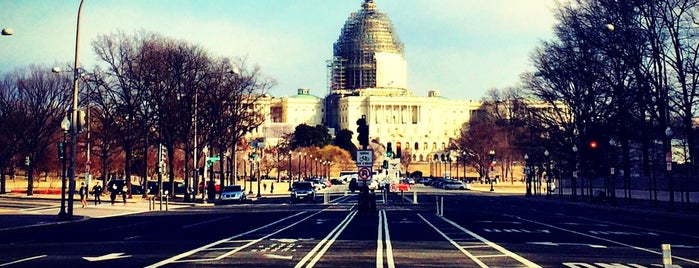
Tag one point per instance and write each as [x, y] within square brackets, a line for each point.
[232, 193]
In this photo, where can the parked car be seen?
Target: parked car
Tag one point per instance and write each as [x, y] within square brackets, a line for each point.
[179, 187]
[304, 190]
[337, 182]
[455, 185]
[232, 193]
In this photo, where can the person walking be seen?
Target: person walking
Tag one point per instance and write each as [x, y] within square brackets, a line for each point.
[97, 191]
[113, 190]
[123, 194]
[83, 194]
[271, 188]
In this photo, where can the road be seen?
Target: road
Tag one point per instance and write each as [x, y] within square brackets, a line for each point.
[474, 229]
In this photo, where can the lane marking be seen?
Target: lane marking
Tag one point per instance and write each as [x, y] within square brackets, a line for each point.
[110, 256]
[505, 252]
[326, 242]
[640, 228]
[459, 247]
[205, 222]
[22, 260]
[176, 258]
[379, 243]
[605, 239]
[384, 237]
[511, 254]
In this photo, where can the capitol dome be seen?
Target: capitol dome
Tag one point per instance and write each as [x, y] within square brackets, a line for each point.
[368, 53]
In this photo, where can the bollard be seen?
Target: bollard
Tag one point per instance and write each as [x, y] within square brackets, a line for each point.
[402, 198]
[436, 202]
[667, 256]
[167, 199]
[326, 198]
[414, 197]
[441, 206]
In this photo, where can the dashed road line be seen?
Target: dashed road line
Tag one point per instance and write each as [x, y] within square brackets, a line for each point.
[487, 244]
[317, 252]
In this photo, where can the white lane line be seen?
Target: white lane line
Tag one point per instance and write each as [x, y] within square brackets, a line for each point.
[188, 253]
[640, 228]
[22, 260]
[459, 247]
[379, 243]
[389, 247]
[511, 254]
[605, 239]
[124, 226]
[327, 241]
[205, 222]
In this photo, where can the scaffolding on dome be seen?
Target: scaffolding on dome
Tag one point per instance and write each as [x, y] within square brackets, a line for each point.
[365, 33]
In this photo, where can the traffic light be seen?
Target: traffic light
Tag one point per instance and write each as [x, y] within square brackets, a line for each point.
[61, 150]
[398, 151]
[161, 158]
[385, 164]
[363, 132]
[389, 150]
[593, 144]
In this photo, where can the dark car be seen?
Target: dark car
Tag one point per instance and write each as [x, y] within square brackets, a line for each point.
[301, 191]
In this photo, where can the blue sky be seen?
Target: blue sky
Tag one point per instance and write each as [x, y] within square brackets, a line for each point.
[461, 47]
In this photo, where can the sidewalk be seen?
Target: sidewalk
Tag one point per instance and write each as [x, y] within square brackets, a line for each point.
[49, 207]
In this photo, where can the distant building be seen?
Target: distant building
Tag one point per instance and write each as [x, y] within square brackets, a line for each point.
[367, 76]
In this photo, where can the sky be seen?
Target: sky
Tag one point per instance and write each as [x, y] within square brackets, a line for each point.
[461, 47]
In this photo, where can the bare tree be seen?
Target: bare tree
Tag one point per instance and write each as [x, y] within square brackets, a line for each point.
[42, 100]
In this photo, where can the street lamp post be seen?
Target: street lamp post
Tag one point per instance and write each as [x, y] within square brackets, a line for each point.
[204, 182]
[464, 158]
[574, 182]
[65, 125]
[668, 169]
[299, 177]
[305, 165]
[527, 177]
[74, 114]
[258, 177]
[612, 174]
[548, 174]
[491, 153]
[252, 171]
[288, 173]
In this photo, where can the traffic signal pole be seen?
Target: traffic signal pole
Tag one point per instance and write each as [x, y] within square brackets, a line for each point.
[366, 201]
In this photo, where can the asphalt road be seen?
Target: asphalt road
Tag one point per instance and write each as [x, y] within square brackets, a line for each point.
[472, 230]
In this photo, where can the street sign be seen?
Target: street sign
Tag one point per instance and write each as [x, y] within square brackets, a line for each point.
[365, 158]
[213, 158]
[364, 173]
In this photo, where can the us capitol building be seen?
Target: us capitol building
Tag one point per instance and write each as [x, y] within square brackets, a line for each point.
[367, 76]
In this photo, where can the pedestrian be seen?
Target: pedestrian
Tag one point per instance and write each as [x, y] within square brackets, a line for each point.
[83, 194]
[271, 188]
[97, 191]
[264, 185]
[123, 194]
[113, 190]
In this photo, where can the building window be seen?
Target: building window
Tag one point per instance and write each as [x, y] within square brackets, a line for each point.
[416, 146]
